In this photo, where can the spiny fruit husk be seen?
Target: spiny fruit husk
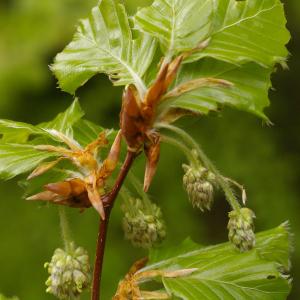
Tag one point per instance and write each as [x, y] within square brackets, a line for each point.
[69, 272]
[198, 183]
[241, 229]
[143, 223]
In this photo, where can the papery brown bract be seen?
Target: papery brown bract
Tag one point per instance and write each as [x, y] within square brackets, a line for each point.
[152, 152]
[138, 116]
[86, 191]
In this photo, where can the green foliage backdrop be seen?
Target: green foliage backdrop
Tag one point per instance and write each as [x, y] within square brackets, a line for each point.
[265, 159]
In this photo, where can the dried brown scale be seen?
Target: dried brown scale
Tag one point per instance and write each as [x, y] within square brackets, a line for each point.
[128, 288]
[86, 191]
[131, 119]
[152, 153]
[138, 115]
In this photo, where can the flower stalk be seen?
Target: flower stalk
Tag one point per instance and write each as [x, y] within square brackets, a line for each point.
[65, 228]
[203, 157]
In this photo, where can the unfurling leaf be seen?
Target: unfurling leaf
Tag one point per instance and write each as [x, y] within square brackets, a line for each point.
[64, 121]
[80, 177]
[17, 132]
[16, 159]
[104, 43]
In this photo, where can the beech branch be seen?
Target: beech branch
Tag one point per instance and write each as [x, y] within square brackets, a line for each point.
[108, 202]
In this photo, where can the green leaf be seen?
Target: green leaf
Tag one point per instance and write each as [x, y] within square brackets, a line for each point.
[64, 121]
[104, 43]
[225, 274]
[18, 154]
[250, 30]
[179, 25]
[276, 245]
[186, 246]
[16, 159]
[85, 132]
[249, 92]
[17, 132]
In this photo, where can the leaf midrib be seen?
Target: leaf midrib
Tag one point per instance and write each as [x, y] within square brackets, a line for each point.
[140, 85]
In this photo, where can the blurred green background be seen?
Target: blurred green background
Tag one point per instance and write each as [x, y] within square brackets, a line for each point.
[265, 159]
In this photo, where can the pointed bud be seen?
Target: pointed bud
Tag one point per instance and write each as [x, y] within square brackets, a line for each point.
[69, 273]
[241, 229]
[143, 224]
[111, 162]
[95, 199]
[157, 89]
[131, 119]
[43, 168]
[152, 153]
[198, 182]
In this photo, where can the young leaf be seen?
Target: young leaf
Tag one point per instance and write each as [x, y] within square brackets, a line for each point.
[64, 121]
[104, 43]
[223, 273]
[180, 25]
[250, 30]
[17, 132]
[16, 159]
[276, 245]
[19, 155]
[249, 92]
[85, 132]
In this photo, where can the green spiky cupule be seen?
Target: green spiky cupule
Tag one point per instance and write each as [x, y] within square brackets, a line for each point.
[69, 271]
[241, 229]
[199, 185]
[143, 223]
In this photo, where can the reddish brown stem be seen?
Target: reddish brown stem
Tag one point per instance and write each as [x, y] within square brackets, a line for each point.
[108, 202]
[101, 241]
